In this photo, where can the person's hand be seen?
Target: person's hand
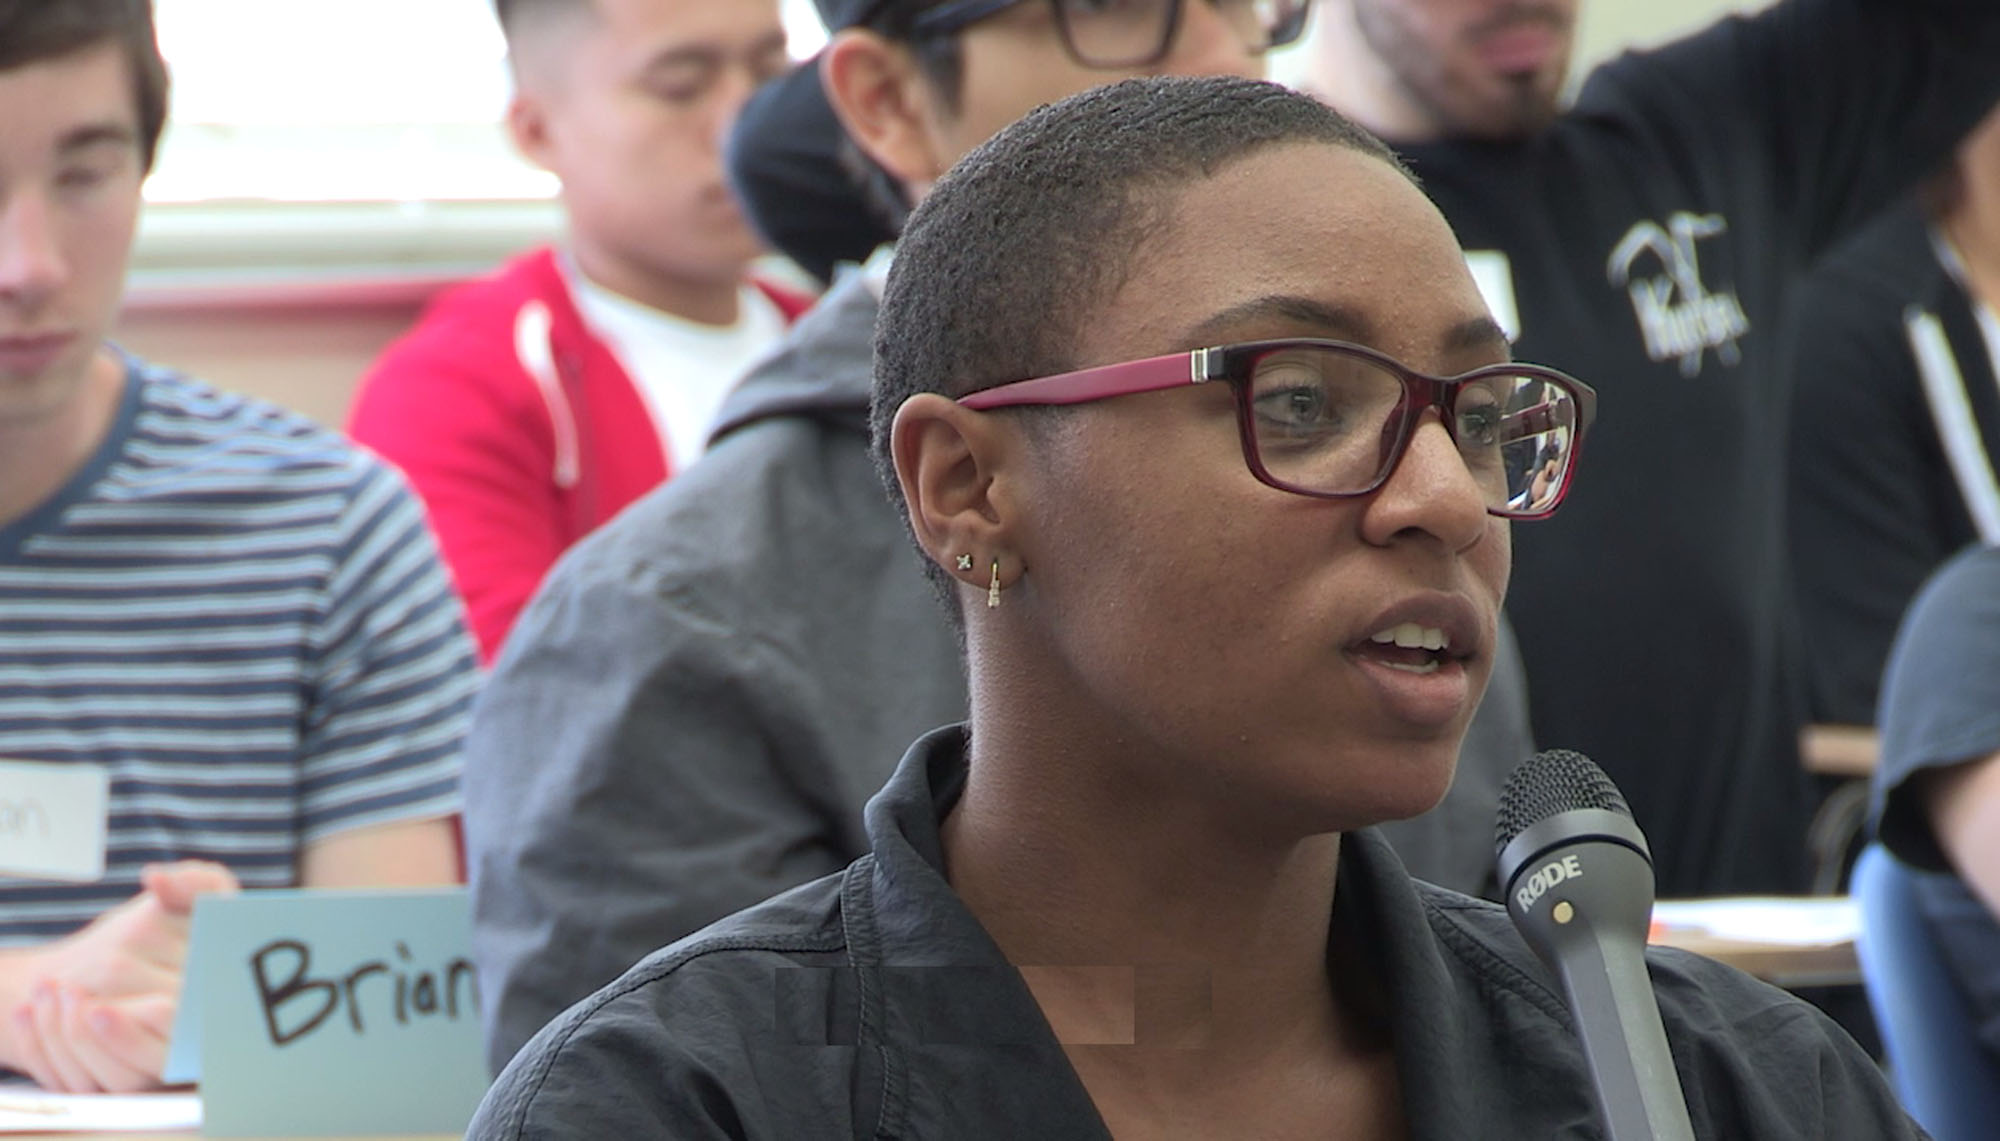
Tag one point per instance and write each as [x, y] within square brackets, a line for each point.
[1538, 487]
[100, 1005]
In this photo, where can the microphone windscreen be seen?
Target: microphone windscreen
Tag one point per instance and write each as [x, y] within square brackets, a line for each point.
[1551, 782]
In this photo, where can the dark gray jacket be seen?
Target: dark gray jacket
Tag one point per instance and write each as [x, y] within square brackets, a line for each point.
[690, 715]
[872, 1004]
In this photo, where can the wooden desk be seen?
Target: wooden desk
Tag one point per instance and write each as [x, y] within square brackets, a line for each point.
[1839, 750]
[1779, 965]
[102, 1120]
[1785, 963]
[185, 1135]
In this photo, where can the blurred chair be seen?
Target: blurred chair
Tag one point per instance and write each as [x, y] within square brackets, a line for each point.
[1941, 1072]
[1841, 757]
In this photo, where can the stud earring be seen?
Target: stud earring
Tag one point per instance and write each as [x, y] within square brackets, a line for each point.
[965, 562]
[993, 591]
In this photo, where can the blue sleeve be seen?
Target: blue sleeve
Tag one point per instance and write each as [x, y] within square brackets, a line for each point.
[1940, 697]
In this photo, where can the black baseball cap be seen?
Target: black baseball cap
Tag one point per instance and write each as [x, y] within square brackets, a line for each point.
[838, 14]
[791, 166]
[786, 164]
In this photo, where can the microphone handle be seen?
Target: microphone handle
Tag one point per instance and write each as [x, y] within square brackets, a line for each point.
[1600, 955]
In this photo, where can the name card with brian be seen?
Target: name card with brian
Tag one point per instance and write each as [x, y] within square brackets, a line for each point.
[323, 1013]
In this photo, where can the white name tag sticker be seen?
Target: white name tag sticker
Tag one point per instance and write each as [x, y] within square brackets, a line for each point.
[53, 820]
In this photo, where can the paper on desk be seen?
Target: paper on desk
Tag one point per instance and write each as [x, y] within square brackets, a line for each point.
[1791, 921]
[25, 1109]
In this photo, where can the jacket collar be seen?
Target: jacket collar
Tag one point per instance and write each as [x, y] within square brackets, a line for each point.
[901, 912]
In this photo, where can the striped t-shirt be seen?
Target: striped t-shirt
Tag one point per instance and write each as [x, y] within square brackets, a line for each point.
[242, 617]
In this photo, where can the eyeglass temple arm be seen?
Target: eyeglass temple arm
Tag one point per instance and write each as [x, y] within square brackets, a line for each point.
[1099, 383]
[1529, 421]
[1542, 418]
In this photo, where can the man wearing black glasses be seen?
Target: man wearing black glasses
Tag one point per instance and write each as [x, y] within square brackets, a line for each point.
[691, 715]
[1647, 237]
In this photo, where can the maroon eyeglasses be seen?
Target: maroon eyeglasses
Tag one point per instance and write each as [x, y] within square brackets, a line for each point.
[1331, 420]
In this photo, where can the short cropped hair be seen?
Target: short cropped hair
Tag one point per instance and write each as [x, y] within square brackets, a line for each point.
[36, 31]
[1015, 249]
[517, 14]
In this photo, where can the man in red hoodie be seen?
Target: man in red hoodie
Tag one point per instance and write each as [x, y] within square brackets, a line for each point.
[531, 406]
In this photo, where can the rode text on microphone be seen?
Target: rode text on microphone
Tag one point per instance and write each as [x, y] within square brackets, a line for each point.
[1578, 882]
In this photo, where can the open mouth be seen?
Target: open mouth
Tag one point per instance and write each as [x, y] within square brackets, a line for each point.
[1410, 647]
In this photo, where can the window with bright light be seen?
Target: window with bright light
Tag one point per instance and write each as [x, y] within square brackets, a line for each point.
[347, 101]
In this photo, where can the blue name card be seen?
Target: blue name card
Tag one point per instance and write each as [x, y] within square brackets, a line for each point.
[319, 1013]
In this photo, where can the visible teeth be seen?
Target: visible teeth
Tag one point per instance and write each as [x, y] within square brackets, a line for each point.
[1410, 636]
[1429, 665]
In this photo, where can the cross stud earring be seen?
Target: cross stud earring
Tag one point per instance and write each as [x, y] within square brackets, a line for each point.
[965, 562]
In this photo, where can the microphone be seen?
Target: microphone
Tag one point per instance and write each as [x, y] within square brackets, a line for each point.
[1579, 885]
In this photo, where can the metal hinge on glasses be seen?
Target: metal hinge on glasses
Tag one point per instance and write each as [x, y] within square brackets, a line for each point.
[1198, 365]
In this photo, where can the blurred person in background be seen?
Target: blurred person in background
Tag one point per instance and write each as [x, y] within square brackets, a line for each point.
[1647, 236]
[531, 406]
[1896, 430]
[1936, 793]
[234, 618]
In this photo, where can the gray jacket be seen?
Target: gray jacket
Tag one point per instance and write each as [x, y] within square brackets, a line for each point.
[692, 712]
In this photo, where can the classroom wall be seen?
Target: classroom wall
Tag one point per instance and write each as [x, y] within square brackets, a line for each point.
[306, 355]
[1606, 27]
[292, 303]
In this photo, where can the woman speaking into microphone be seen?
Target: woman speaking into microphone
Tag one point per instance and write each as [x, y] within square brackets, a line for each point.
[1212, 448]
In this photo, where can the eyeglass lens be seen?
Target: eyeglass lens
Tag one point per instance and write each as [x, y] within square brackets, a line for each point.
[1127, 33]
[1330, 422]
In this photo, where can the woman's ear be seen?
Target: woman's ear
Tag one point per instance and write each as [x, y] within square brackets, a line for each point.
[951, 462]
[885, 104]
